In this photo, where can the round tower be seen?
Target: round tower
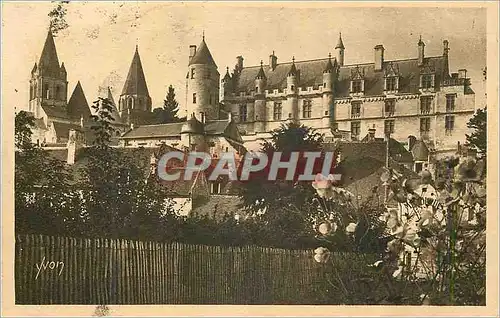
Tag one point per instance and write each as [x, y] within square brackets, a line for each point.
[202, 83]
[260, 100]
[327, 96]
[192, 134]
[339, 51]
[292, 79]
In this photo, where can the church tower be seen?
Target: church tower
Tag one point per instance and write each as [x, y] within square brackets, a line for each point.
[135, 103]
[48, 83]
[202, 84]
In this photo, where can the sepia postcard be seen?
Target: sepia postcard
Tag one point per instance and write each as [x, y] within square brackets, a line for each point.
[249, 158]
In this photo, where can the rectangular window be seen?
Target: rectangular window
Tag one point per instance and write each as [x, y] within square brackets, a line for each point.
[426, 81]
[425, 124]
[390, 84]
[278, 108]
[357, 86]
[389, 127]
[449, 123]
[194, 98]
[425, 104]
[243, 113]
[215, 188]
[192, 73]
[450, 102]
[355, 128]
[355, 109]
[390, 107]
[306, 109]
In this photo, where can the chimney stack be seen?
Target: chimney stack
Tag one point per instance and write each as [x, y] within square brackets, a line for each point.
[239, 63]
[273, 61]
[379, 57]
[446, 47]
[462, 73]
[421, 47]
[192, 51]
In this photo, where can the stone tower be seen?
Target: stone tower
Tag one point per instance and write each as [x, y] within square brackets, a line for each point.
[48, 83]
[260, 100]
[202, 84]
[339, 50]
[329, 76]
[135, 103]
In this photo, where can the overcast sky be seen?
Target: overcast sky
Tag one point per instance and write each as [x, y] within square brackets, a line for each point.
[99, 43]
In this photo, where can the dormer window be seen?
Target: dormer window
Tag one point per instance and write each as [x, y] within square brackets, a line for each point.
[427, 81]
[391, 84]
[357, 86]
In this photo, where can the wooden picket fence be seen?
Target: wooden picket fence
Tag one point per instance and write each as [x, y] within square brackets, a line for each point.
[62, 270]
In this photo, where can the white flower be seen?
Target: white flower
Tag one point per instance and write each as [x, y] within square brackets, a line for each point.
[326, 228]
[323, 186]
[351, 227]
[322, 255]
[377, 263]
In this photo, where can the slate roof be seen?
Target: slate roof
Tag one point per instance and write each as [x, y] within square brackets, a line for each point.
[214, 127]
[135, 84]
[153, 131]
[77, 104]
[203, 55]
[311, 74]
[55, 111]
[62, 129]
[420, 151]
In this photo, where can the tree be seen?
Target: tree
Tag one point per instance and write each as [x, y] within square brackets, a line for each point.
[478, 137]
[44, 200]
[287, 203]
[168, 114]
[117, 199]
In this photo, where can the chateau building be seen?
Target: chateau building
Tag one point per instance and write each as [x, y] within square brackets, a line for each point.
[204, 129]
[408, 97]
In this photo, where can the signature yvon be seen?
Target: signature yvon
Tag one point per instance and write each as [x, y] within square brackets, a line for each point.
[50, 265]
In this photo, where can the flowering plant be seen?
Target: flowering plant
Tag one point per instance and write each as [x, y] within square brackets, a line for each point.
[433, 233]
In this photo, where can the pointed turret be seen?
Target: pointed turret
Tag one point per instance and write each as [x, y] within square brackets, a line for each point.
[49, 63]
[77, 104]
[261, 74]
[227, 77]
[329, 65]
[293, 68]
[340, 44]
[63, 69]
[136, 81]
[339, 50]
[34, 69]
[202, 55]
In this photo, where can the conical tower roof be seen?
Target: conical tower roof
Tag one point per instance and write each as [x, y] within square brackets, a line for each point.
[227, 76]
[136, 81]
[203, 55]
[49, 63]
[340, 44]
[329, 65]
[192, 126]
[293, 68]
[77, 104]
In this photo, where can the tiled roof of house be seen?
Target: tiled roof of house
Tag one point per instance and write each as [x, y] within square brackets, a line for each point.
[135, 84]
[311, 74]
[203, 55]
